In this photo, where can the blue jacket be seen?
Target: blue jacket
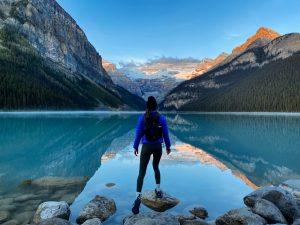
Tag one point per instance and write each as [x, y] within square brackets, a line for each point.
[140, 133]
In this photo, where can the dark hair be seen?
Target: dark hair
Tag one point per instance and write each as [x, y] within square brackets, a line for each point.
[151, 103]
[151, 106]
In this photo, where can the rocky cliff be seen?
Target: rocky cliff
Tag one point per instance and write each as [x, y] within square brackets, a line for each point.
[55, 35]
[44, 28]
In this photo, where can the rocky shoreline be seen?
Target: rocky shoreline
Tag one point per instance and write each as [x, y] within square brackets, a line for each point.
[266, 205]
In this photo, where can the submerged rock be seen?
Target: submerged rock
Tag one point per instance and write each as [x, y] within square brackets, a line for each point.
[94, 221]
[51, 209]
[151, 218]
[284, 201]
[11, 222]
[292, 186]
[242, 216]
[110, 184]
[55, 221]
[200, 212]
[150, 200]
[59, 182]
[269, 211]
[99, 207]
[4, 216]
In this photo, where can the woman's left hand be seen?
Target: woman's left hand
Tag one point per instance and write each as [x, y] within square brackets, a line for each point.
[136, 152]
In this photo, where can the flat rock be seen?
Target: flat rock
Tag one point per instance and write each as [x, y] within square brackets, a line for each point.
[292, 186]
[152, 218]
[55, 221]
[51, 209]
[283, 199]
[94, 221]
[99, 207]
[4, 216]
[150, 200]
[269, 211]
[242, 216]
[200, 212]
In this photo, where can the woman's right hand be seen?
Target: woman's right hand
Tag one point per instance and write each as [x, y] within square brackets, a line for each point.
[168, 151]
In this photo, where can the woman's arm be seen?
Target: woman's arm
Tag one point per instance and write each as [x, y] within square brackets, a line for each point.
[139, 133]
[166, 133]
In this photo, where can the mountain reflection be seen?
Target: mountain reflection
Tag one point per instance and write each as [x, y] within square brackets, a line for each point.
[263, 148]
[33, 147]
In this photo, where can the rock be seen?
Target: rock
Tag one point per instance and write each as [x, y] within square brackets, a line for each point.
[59, 182]
[94, 221]
[194, 222]
[11, 222]
[100, 207]
[182, 218]
[146, 221]
[150, 200]
[55, 221]
[51, 209]
[269, 211]
[4, 216]
[296, 222]
[284, 201]
[150, 217]
[24, 217]
[199, 212]
[110, 184]
[242, 216]
[292, 186]
[6, 201]
[25, 198]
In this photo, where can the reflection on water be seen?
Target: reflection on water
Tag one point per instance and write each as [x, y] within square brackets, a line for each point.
[217, 158]
[264, 148]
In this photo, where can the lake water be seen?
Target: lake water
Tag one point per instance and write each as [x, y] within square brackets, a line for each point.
[216, 159]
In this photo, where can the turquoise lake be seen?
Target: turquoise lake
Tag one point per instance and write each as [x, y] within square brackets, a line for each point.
[216, 159]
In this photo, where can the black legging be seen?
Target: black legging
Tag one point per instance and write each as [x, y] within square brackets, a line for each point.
[147, 151]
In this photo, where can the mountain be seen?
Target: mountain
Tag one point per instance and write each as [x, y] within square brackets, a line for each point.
[261, 78]
[262, 37]
[155, 77]
[119, 78]
[47, 62]
[205, 65]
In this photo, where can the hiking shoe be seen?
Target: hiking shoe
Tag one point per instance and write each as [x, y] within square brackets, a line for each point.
[159, 194]
[136, 206]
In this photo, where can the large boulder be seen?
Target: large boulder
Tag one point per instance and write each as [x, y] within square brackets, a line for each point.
[292, 186]
[243, 216]
[269, 211]
[55, 221]
[51, 209]
[151, 218]
[99, 207]
[284, 201]
[200, 212]
[150, 200]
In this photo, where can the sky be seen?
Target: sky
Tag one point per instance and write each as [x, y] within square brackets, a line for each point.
[138, 30]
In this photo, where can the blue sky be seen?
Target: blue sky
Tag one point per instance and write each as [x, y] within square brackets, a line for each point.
[125, 30]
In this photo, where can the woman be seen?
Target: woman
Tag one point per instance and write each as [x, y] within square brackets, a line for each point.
[153, 130]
